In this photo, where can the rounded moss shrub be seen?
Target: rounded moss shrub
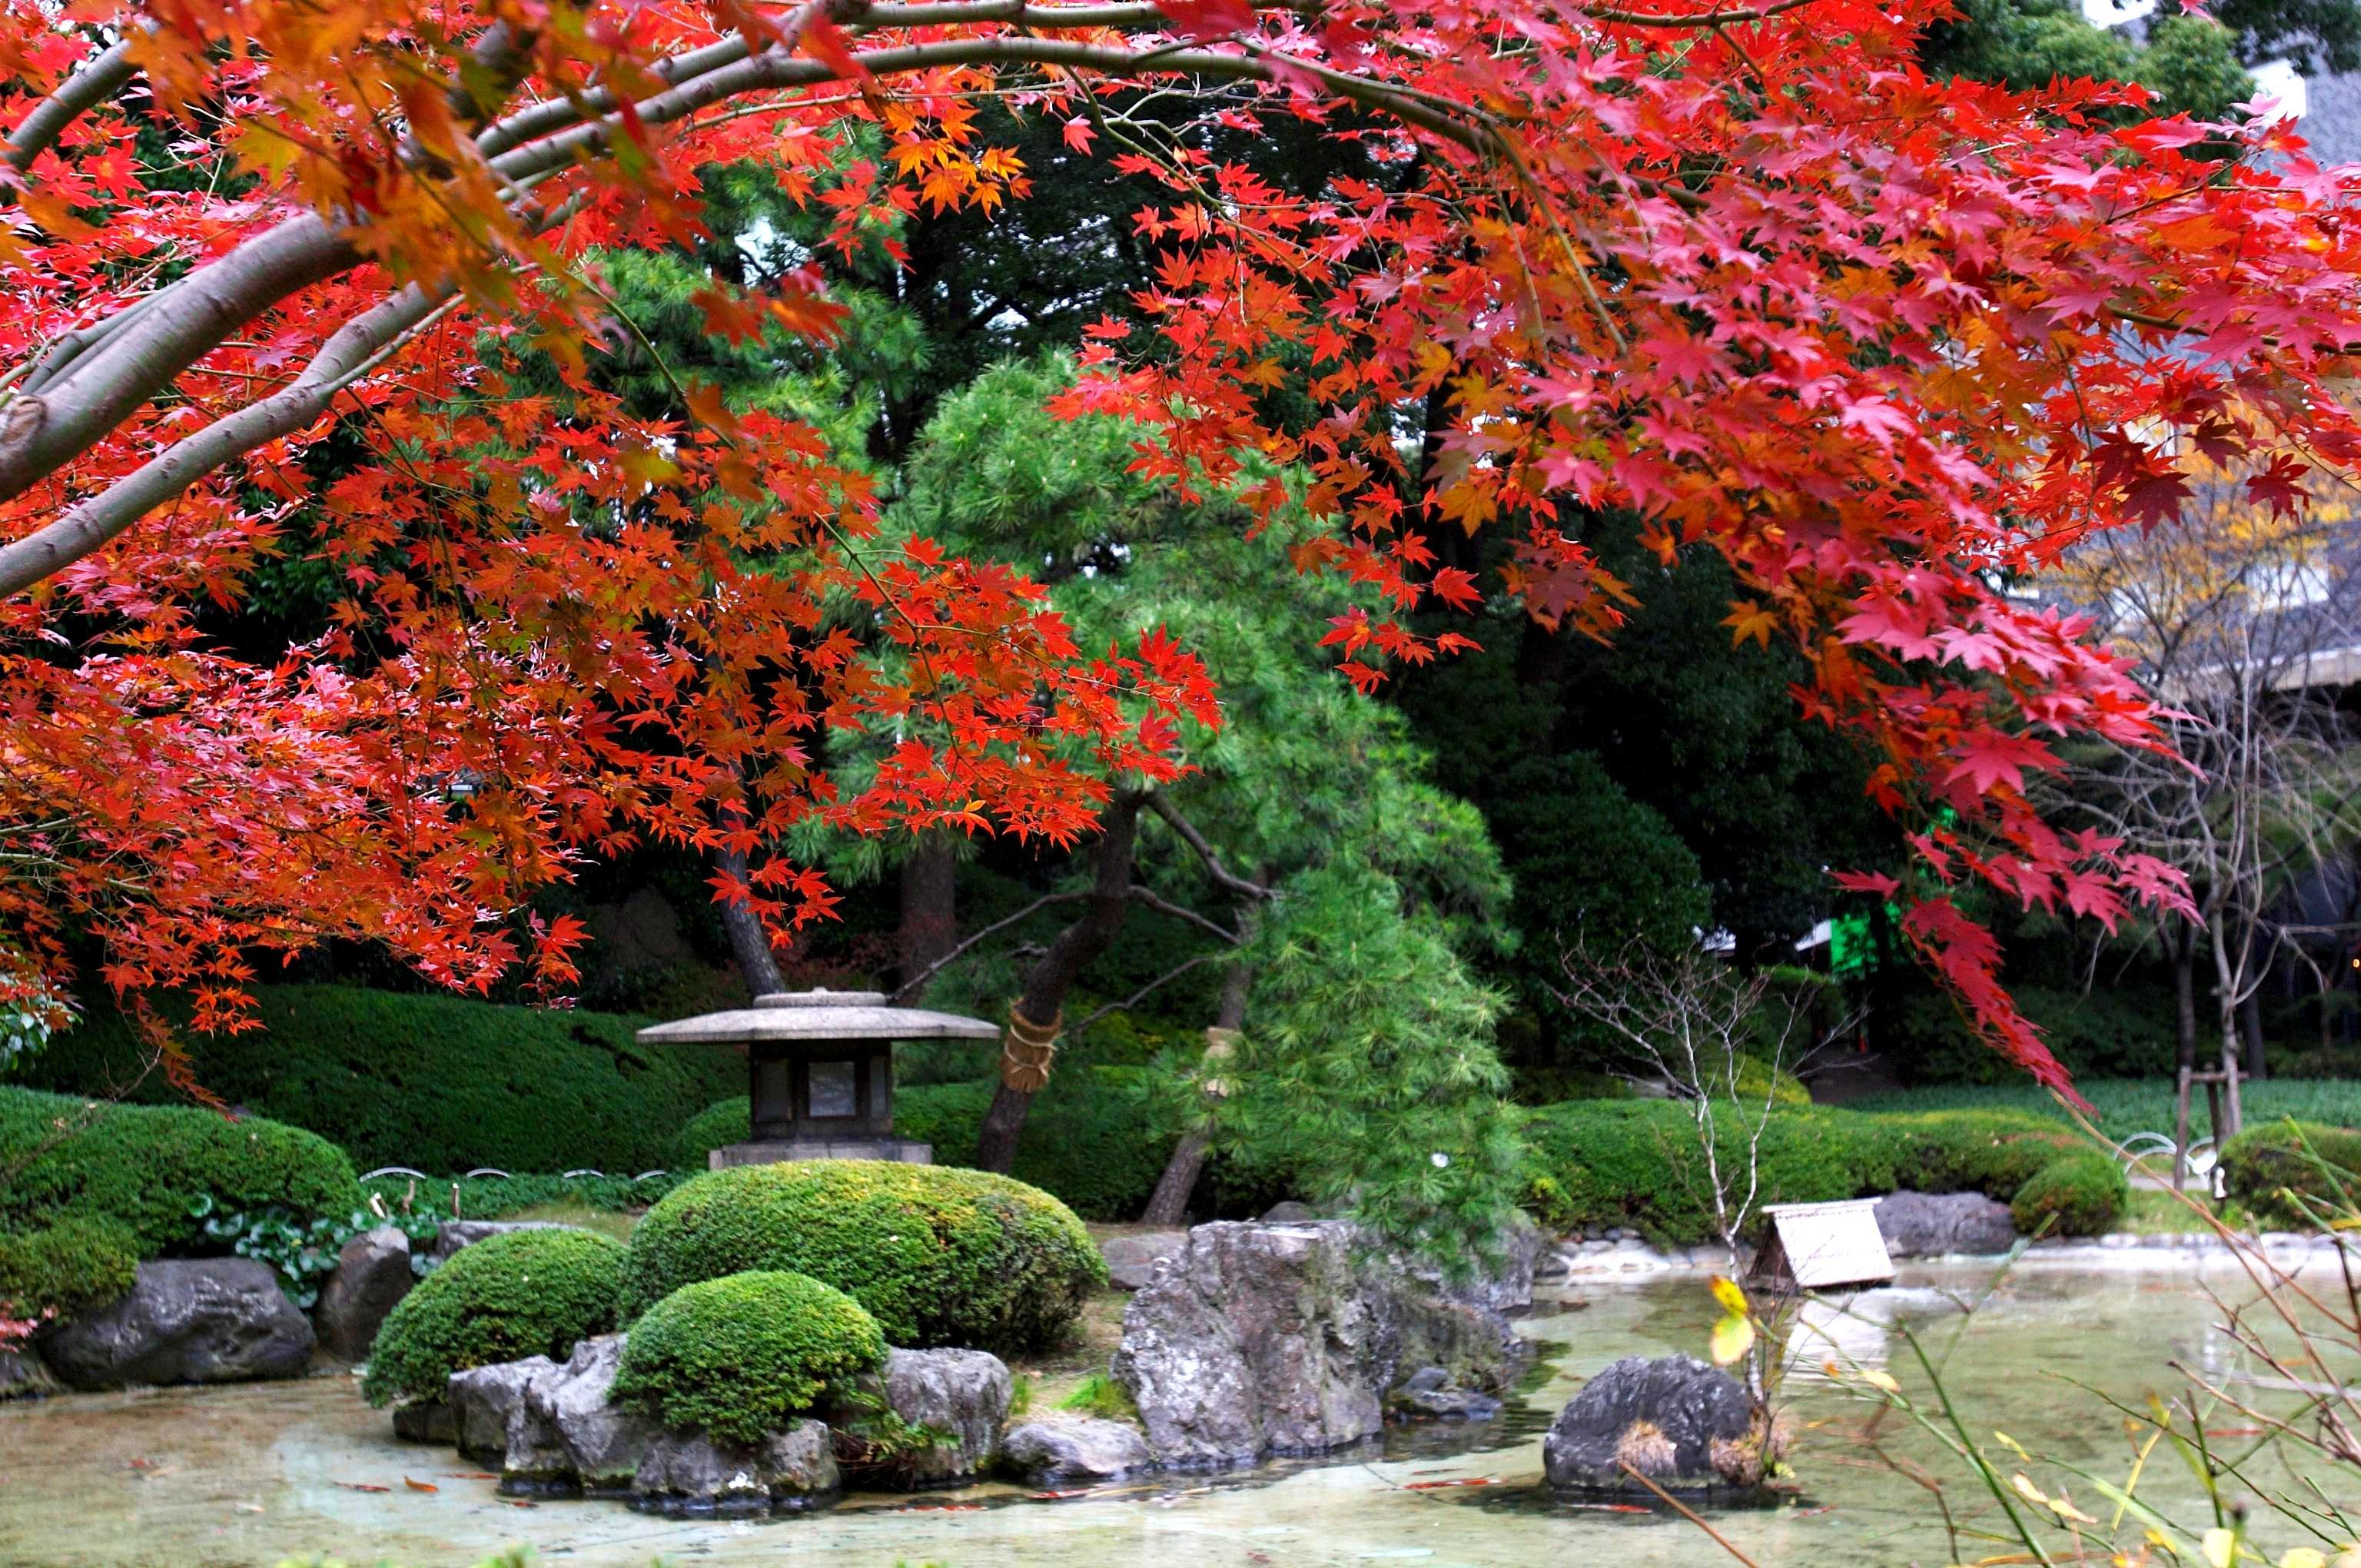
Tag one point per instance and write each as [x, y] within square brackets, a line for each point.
[939, 1255]
[1096, 1141]
[144, 1166]
[741, 1355]
[2279, 1170]
[76, 1266]
[2076, 1194]
[519, 1294]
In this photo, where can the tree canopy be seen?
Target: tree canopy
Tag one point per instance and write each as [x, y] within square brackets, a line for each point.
[1876, 339]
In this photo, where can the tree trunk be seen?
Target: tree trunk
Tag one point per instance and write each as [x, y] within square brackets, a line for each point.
[1054, 973]
[1170, 1205]
[748, 943]
[929, 908]
[2184, 985]
[2250, 1021]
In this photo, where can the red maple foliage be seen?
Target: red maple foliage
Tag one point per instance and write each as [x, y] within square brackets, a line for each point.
[1883, 343]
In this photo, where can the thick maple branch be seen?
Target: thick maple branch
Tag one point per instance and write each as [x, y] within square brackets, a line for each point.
[104, 75]
[348, 354]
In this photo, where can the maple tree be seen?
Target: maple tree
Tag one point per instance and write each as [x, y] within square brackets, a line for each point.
[1744, 271]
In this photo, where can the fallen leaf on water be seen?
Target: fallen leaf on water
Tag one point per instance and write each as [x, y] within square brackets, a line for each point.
[249, 1508]
[471, 1474]
[2234, 1431]
[363, 1486]
[1470, 1481]
[147, 1464]
[420, 1486]
[519, 1503]
[1612, 1507]
[1809, 1513]
[1055, 1496]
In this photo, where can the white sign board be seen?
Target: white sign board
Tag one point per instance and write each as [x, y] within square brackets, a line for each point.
[1827, 1244]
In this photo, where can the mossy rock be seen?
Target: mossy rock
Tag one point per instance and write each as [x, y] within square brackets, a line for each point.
[2295, 1173]
[526, 1293]
[2076, 1194]
[742, 1356]
[939, 1255]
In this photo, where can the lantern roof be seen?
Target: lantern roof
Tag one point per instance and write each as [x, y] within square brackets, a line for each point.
[820, 1016]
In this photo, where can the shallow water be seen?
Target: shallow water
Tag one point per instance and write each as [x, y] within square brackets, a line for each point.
[251, 1474]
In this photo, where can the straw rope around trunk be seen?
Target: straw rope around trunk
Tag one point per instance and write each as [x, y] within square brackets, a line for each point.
[1026, 1050]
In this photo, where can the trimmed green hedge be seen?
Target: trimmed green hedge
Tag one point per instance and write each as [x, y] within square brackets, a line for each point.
[1092, 1139]
[1991, 1152]
[509, 1297]
[2076, 1194]
[1640, 1163]
[442, 1083]
[2320, 1165]
[939, 1256]
[76, 1266]
[741, 1355]
[145, 1166]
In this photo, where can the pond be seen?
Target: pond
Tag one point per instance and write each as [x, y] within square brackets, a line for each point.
[247, 1474]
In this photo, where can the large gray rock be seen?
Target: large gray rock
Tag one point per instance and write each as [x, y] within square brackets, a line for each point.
[563, 1432]
[482, 1399]
[214, 1319]
[1260, 1339]
[688, 1472]
[424, 1421]
[455, 1235]
[1684, 1425]
[1131, 1260]
[1934, 1225]
[961, 1396]
[372, 1274]
[1088, 1449]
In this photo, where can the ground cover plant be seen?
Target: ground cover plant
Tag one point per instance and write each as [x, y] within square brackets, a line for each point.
[520, 1294]
[939, 1255]
[2124, 1106]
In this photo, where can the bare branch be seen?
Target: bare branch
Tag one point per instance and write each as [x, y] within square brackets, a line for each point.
[1180, 911]
[933, 970]
[1221, 874]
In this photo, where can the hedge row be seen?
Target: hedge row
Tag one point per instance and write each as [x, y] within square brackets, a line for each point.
[1640, 1164]
[441, 1083]
[143, 1167]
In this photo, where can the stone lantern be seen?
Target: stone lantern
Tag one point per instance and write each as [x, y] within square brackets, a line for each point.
[819, 1071]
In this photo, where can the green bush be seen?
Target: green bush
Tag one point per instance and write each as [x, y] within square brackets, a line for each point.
[76, 1266]
[441, 1083]
[2320, 1166]
[522, 1293]
[1640, 1163]
[497, 1197]
[1092, 1139]
[1991, 1152]
[2126, 1106]
[738, 1356]
[939, 1256]
[2076, 1194]
[156, 1169]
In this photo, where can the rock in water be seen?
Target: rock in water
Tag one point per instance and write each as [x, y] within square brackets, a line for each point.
[211, 1320]
[424, 1421]
[688, 1472]
[1933, 1224]
[1260, 1339]
[1428, 1393]
[1131, 1260]
[1680, 1422]
[482, 1399]
[962, 1396]
[1088, 1449]
[565, 1433]
[373, 1273]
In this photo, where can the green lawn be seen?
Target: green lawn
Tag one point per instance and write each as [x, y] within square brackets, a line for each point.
[2127, 1105]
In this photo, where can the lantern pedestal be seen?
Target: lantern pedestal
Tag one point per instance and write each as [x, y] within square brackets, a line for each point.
[771, 1151]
